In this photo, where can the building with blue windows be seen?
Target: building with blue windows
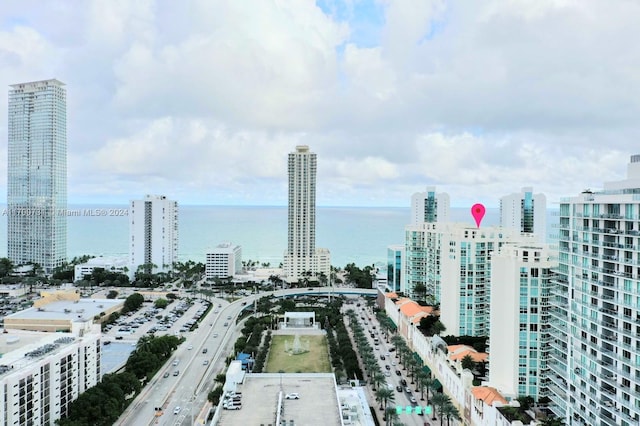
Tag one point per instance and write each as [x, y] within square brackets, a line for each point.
[519, 335]
[395, 265]
[525, 212]
[37, 174]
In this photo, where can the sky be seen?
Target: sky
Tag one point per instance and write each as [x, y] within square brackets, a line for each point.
[202, 100]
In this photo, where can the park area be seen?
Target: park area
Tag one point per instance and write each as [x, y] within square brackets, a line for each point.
[308, 355]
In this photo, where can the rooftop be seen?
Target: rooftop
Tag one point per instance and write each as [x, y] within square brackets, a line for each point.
[82, 309]
[317, 406]
[487, 394]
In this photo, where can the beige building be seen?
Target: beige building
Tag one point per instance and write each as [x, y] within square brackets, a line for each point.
[61, 311]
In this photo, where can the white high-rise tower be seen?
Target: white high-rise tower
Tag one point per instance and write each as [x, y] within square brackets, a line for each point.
[37, 174]
[154, 233]
[429, 207]
[525, 212]
[595, 366]
[301, 259]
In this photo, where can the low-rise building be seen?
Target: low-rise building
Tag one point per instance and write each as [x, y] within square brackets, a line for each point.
[224, 261]
[113, 264]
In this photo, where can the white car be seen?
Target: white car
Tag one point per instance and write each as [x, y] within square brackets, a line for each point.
[177, 410]
[232, 407]
[190, 347]
[292, 396]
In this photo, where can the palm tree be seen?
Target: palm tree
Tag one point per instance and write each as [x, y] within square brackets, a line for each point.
[411, 363]
[384, 395]
[390, 416]
[397, 340]
[377, 379]
[450, 412]
[424, 381]
[468, 363]
[439, 400]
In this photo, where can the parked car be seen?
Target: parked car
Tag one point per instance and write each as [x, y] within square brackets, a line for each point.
[232, 407]
[398, 373]
[382, 357]
[388, 367]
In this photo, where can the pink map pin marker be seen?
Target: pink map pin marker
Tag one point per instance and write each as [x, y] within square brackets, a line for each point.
[477, 211]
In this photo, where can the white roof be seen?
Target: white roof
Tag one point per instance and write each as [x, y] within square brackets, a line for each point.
[83, 309]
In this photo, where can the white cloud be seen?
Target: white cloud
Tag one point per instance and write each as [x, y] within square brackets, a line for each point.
[206, 98]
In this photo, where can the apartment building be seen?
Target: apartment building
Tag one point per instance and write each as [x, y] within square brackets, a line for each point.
[596, 315]
[153, 233]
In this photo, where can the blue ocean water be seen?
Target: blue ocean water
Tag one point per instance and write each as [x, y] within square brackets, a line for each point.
[352, 234]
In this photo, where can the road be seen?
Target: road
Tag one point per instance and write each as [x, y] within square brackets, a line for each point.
[401, 398]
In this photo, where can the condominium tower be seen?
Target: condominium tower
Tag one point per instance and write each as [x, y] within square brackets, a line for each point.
[153, 233]
[429, 207]
[596, 315]
[37, 174]
[301, 258]
[526, 212]
[519, 319]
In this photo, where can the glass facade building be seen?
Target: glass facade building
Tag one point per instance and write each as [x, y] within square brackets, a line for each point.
[37, 174]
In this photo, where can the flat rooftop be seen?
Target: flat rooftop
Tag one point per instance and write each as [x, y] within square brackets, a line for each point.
[15, 345]
[83, 309]
[318, 404]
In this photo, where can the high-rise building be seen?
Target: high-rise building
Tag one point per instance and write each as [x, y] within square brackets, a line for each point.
[525, 212]
[37, 174]
[519, 319]
[595, 367]
[465, 273]
[429, 206]
[153, 230]
[224, 261]
[301, 259]
[426, 207]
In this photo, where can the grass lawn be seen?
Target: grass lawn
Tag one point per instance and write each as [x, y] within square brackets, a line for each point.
[314, 361]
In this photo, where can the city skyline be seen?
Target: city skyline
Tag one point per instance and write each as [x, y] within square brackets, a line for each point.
[200, 100]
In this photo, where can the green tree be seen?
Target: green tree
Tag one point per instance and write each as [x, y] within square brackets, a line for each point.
[161, 303]
[384, 395]
[377, 380]
[133, 303]
[112, 294]
[439, 400]
[438, 328]
[468, 363]
[449, 411]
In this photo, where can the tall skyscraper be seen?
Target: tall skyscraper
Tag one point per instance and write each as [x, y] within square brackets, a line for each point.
[596, 309]
[302, 259]
[154, 233]
[429, 206]
[37, 174]
[525, 212]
